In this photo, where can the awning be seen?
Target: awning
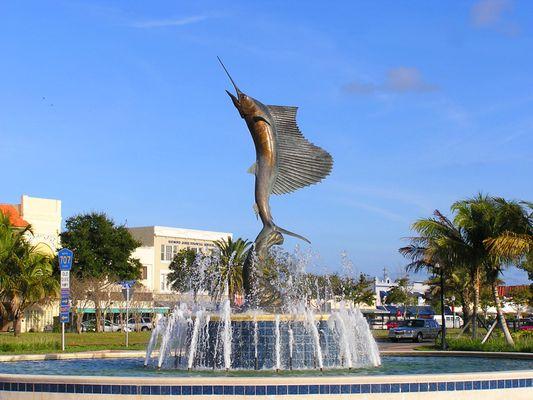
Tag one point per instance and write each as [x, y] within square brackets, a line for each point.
[156, 310]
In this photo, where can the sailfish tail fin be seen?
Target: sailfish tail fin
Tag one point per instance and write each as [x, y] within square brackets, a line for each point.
[292, 234]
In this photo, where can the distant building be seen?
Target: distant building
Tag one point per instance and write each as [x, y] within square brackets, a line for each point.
[382, 287]
[44, 216]
[160, 244]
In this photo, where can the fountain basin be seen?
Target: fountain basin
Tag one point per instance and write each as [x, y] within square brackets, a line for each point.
[18, 382]
[201, 340]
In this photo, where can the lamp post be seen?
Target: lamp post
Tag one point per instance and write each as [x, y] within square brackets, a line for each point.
[442, 313]
[453, 310]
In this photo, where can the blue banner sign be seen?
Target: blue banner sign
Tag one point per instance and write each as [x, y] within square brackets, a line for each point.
[127, 284]
[65, 257]
[64, 317]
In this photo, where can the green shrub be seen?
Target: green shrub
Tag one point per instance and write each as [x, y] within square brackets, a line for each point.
[523, 343]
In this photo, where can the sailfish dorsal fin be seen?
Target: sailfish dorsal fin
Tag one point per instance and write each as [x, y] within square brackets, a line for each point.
[300, 162]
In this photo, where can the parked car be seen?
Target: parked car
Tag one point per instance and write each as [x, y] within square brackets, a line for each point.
[415, 330]
[526, 324]
[144, 324]
[393, 324]
[450, 322]
[90, 326]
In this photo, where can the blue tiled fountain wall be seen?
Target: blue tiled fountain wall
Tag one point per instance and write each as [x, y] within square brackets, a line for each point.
[210, 353]
[261, 390]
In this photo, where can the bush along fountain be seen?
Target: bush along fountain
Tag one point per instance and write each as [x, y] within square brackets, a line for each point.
[295, 334]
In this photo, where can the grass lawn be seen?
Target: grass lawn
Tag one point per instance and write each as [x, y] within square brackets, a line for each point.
[51, 342]
[91, 341]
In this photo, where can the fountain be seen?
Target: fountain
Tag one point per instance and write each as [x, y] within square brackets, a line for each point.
[297, 334]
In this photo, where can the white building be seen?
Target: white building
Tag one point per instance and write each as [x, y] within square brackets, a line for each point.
[44, 217]
[382, 286]
[160, 244]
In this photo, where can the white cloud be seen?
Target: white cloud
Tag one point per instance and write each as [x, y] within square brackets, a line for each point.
[492, 14]
[387, 214]
[397, 80]
[160, 23]
[489, 12]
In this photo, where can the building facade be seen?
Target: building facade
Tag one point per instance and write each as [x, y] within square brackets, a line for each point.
[382, 287]
[44, 217]
[160, 244]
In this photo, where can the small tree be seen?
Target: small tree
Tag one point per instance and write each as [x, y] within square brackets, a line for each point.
[400, 295]
[102, 255]
[359, 291]
[521, 299]
[228, 268]
[182, 272]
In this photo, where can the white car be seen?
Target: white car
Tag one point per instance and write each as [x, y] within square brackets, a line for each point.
[90, 326]
[144, 324]
[450, 323]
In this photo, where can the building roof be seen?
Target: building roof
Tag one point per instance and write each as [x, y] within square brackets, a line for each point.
[183, 232]
[14, 216]
[507, 291]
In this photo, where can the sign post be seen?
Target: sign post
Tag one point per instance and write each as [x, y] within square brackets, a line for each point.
[127, 289]
[65, 257]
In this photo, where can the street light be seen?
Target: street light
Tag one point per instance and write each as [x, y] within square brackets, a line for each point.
[443, 317]
[453, 310]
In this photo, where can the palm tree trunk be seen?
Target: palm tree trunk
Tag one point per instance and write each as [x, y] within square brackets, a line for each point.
[476, 303]
[500, 316]
[466, 311]
[18, 324]
[4, 314]
[79, 320]
[98, 316]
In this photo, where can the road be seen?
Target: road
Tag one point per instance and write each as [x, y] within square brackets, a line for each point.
[385, 345]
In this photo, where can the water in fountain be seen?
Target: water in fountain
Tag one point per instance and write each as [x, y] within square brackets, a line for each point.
[210, 335]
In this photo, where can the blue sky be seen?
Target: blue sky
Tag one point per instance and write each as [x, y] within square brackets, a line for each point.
[120, 106]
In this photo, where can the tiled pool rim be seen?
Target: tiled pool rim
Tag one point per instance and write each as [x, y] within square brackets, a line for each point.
[515, 384]
[231, 387]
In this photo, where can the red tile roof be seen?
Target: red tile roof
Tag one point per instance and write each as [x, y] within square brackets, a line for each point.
[507, 291]
[13, 215]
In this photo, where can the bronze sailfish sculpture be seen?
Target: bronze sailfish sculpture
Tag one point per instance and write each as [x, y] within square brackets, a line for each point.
[285, 161]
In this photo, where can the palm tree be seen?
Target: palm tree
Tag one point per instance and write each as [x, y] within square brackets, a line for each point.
[26, 275]
[228, 273]
[514, 246]
[500, 230]
[442, 248]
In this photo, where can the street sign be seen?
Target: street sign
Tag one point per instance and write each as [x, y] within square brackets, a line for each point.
[64, 317]
[65, 279]
[127, 284]
[65, 257]
[127, 291]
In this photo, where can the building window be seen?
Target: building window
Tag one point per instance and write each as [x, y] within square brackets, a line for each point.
[144, 273]
[164, 284]
[167, 252]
